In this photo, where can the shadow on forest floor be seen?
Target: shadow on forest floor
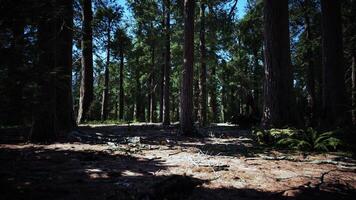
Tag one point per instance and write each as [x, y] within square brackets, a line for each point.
[152, 162]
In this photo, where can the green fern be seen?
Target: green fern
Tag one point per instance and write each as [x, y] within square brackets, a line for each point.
[311, 140]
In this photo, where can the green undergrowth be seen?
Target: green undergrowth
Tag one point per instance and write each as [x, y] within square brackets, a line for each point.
[303, 140]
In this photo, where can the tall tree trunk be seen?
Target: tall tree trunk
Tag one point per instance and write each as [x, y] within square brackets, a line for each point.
[152, 99]
[121, 85]
[279, 103]
[86, 82]
[44, 125]
[196, 98]
[353, 78]
[310, 67]
[161, 90]
[167, 68]
[54, 117]
[213, 96]
[256, 85]
[334, 93]
[140, 109]
[186, 121]
[63, 56]
[202, 81]
[105, 96]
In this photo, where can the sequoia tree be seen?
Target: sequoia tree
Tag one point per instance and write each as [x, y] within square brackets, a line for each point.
[279, 102]
[334, 105]
[186, 99]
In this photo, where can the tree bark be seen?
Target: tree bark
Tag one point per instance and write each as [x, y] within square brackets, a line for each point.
[310, 67]
[86, 82]
[44, 125]
[203, 73]
[63, 62]
[54, 116]
[353, 78]
[161, 101]
[105, 95]
[213, 96]
[152, 96]
[279, 103]
[186, 121]
[140, 109]
[167, 68]
[121, 84]
[334, 112]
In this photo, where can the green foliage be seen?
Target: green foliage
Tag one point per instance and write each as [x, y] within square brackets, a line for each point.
[304, 140]
[272, 136]
[312, 140]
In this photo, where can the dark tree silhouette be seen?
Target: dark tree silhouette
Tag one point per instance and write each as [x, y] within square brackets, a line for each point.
[186, 102]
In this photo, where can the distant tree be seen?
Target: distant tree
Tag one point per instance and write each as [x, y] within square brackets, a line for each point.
[106, 19]
[203, 71]
[186, 100]
[86, 83]
[121, 46]
[167, 65]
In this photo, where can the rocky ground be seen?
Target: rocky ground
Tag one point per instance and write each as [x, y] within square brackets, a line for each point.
[141, 161]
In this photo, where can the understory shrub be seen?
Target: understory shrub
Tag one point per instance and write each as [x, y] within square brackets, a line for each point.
[305, 140]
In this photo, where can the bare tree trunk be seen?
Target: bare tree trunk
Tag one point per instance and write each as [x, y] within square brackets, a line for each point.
[121, 85]
[161, 90]
[196, 98]
[186, 121]
[203, 73]
[105, 96]
[140, 109]
[152, 96]
[213, 96]
[44, 125]
[279, 103]
[353, 78]
[63, 56]
[334, 94]
[167, 69]
[86, 82]
[310, 68]
[54, 117]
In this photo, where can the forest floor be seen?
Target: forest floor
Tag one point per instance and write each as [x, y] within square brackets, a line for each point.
[148, 161]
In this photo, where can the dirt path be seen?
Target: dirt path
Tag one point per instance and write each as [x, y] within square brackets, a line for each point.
[151, 162]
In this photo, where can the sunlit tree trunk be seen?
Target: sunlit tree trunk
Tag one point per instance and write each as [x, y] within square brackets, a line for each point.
[86, 82]
[186, 111]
